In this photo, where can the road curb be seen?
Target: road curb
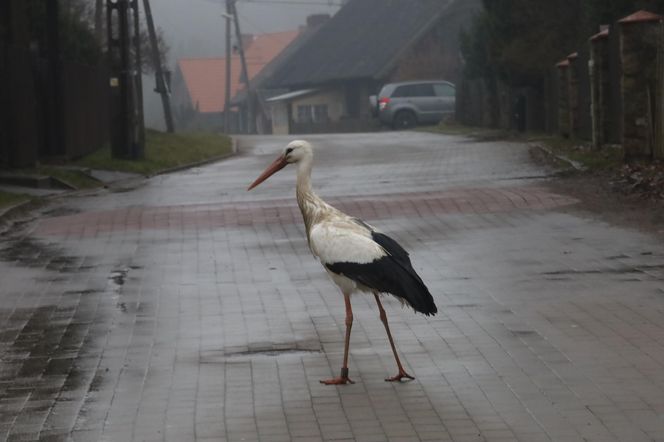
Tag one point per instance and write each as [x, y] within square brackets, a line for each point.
[574, 164]
[233, 151]
[8, 212]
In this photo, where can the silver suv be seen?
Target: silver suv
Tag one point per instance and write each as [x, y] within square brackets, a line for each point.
[404, 105]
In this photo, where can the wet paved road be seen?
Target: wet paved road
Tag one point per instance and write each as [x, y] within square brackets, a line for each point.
[184, 308]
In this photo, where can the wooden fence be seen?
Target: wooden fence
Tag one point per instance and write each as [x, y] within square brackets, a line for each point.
[86, 105]
[20, 110]
[45, 116]
[658, 115]
[611, 91]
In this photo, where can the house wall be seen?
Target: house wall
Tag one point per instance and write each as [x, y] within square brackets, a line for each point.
[280, 124]
[334, 99]
[341, 116]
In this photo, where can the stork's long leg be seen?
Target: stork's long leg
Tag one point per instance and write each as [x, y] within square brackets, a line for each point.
[344, 379]
[383, 317]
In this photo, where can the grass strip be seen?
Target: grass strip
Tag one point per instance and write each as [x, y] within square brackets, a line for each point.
[163, 151]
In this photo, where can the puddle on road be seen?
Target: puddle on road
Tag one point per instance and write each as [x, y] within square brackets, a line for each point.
[616, 257]
[117, 279]
[32, 253]
[51, 351]
[615, 271]
[39, 350]
[524, 333]
[125, 188]
[61, 211]
[260, 351]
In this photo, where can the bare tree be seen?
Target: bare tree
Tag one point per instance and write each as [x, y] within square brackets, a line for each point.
[99, 21]
[100, 34]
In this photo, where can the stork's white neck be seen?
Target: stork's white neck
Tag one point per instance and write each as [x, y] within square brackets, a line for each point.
[304, 175]
[312, 207]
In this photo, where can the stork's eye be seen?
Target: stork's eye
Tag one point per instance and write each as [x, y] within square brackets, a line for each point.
[289, 150]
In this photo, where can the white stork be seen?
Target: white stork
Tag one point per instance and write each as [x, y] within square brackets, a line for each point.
[356, 255]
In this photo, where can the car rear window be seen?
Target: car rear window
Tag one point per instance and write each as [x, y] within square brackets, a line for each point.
[414, 90]
[444, 90]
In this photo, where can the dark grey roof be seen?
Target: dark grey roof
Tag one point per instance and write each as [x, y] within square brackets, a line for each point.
[261, 80]
[362, 40]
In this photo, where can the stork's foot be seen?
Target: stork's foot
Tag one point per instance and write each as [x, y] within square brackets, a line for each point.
[339, 380]
[402, 375]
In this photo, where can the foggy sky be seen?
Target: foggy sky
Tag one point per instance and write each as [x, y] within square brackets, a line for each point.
[195, 28]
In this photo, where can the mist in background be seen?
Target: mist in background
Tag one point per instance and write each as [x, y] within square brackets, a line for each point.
[196, 28]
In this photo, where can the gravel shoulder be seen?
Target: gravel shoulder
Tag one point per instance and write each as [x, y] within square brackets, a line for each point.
[607, 196]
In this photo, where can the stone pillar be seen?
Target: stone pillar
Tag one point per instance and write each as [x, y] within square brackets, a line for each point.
[600, 88]
[573, 82]
[563, 98]
[640, 35]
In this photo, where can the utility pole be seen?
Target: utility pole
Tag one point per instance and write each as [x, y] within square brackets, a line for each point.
[162, 87]
[245, 71]
[227, 103]
[137, 82]
[127, 128]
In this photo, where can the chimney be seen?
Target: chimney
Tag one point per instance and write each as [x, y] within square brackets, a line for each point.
[315, 20]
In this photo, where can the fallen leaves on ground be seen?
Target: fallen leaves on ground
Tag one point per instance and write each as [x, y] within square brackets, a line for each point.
[645, 180]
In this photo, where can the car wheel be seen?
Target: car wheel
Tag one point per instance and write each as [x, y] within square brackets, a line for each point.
[404, 120]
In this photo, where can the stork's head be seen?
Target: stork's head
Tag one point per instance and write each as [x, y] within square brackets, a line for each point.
[294, 152]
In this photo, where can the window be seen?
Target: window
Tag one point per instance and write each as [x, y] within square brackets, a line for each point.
[403, 91]
[444, 90]
[304, 114]
[424, 90]
[320, 113]
[308, 113]
[414, 90]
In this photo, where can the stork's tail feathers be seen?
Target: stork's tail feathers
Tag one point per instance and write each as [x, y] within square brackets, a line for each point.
[419, 298]
[406, 285]
[405, 280]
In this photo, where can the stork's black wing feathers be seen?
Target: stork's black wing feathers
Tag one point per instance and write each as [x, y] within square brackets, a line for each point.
[391, 246]
[392, 274]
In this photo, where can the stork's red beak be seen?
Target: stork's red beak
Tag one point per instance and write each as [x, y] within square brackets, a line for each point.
[273, 168]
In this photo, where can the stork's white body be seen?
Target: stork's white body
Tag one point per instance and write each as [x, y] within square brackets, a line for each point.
[355, 255]
[336, 237]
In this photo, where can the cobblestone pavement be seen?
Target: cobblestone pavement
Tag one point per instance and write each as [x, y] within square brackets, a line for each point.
[183, 308]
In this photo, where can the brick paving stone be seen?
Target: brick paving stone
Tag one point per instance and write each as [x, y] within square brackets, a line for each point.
[184, 308]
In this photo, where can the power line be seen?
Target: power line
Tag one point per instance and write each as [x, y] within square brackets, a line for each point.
[293, 2]
[287, 2]
[252, 24]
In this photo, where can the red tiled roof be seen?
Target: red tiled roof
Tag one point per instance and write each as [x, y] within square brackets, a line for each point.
[205, 78]
[641, 16]
[600, 35]
[563, 64]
